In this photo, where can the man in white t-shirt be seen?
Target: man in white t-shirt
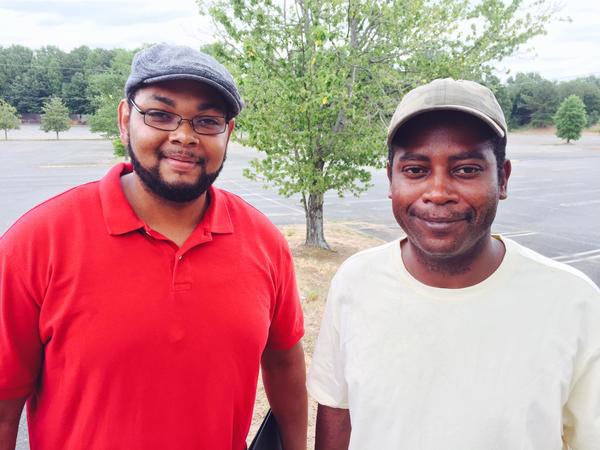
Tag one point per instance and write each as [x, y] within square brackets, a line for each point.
[453, 338]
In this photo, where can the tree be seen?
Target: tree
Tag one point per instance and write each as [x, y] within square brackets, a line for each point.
[534, 100]
[570, 118]
[588, 90]
[501, 93]
[48, 68]
[30, 77]
[55, 116]
[76, 95]
[108, 88]
[14, 61]
[321, 78]
[542, 101]
[8, 118]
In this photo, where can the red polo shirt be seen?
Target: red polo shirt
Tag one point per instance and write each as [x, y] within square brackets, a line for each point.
[125, 341]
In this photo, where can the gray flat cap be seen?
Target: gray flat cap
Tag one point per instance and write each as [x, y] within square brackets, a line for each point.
[163, 62]
[449, 95]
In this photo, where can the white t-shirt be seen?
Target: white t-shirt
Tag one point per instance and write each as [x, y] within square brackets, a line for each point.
[512, 363]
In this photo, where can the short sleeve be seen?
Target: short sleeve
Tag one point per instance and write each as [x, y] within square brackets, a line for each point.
[20, 344]
[581, 413]
[326, 381]
[287, 322]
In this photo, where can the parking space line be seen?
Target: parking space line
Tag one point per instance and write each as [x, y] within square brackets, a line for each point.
[286, 214]
[513, 234]
[582, 203]
[264, 197]
[580, 256]
[589, 258]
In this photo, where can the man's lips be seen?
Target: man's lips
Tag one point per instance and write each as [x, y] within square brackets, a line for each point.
[182, 161]
[440, 220]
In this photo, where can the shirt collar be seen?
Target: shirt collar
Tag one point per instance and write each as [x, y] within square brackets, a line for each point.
[216, 217]
[120, 218]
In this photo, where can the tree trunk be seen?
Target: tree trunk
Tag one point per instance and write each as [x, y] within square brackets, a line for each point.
[57, 135]
[5, 135]
[314, 222]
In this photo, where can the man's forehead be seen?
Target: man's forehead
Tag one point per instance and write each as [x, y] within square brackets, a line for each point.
[174, 91]
[481, 152]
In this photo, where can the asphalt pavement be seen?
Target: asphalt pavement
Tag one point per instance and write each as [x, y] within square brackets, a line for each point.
[553, 204]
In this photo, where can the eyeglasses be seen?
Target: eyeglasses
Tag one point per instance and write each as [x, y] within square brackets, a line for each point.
[168, 121]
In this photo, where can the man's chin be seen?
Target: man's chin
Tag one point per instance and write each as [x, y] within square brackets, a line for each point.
[181, 192]
[171, 186]
[438, 250]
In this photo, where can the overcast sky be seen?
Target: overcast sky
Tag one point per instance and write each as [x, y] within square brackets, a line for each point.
[570, 49]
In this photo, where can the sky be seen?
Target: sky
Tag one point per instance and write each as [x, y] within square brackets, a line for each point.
[571, 48]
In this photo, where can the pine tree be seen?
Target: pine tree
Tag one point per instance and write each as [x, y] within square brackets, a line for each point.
[8, 118]
[55, 116]
[570, 118]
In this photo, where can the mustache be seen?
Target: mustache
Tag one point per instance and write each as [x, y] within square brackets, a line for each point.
[182, 155]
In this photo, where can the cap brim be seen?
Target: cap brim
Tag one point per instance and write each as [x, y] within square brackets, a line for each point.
[471, 111]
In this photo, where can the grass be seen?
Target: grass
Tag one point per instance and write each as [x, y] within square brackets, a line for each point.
[314, 270]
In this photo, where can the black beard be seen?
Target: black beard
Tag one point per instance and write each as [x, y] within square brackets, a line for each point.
[173, 192]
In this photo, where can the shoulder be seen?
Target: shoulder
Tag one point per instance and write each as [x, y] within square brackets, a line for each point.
[553, 286]
[246, 218]
[367, 264]
[548, 273]
[371, 257]
[54, 213]
[45, 233]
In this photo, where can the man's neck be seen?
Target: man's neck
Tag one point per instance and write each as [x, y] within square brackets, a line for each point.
[454, 273]
[173, 220]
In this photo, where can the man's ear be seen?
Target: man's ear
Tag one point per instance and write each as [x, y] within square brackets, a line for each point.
[230, 128]
[503, 181]
[124, 113]
[389, 175]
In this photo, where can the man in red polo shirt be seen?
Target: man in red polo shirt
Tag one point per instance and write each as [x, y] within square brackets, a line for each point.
[135, 311]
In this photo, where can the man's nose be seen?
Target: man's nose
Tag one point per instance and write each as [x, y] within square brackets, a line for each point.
[440, 189]
[184, 134]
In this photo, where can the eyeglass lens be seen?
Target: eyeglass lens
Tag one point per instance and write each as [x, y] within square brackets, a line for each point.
[169, 121]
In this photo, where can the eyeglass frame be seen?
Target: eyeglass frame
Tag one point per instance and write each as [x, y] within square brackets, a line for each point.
[181, 119]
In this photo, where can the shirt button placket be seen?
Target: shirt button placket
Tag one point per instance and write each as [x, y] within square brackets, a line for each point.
[180, 276]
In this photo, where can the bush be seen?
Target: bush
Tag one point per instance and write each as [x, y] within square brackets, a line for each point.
[118, 148]
[56, 116]
[8, 118]
[570, 118]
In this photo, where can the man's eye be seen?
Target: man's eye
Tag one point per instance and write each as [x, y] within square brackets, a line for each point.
[467, 170]
[414, 171]
[209, 122]
[159, 116]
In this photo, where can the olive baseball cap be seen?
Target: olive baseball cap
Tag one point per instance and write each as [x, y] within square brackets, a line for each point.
[448, 94]
[163, 62]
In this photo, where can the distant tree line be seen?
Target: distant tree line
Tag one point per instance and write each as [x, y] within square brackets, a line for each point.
[90, 82]
[28, 78]
[86, 81]
[528, 100]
